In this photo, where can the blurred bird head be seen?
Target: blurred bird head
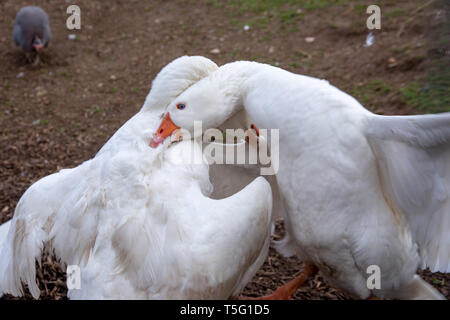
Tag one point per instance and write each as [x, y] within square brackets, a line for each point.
[38, 44]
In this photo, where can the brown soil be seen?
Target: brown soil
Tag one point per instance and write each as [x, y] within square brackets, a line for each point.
[61, 112]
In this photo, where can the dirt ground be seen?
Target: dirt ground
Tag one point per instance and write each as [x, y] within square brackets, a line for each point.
[60, 113]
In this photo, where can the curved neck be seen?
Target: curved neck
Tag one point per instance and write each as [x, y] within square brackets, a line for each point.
[233, 78]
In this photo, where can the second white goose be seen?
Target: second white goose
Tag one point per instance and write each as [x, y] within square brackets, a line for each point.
[359, 189]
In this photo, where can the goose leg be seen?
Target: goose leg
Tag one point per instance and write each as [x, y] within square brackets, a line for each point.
[287, 291]
[36, 60]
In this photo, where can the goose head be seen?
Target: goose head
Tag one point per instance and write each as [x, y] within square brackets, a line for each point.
[37, 44]
[204, 101]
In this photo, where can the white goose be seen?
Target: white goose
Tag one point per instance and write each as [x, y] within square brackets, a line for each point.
[359, 189]
[131, 238]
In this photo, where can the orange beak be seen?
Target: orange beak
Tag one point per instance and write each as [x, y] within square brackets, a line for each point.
[165, 129]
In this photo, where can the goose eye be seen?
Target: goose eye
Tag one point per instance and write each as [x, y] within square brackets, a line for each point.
[181, 106]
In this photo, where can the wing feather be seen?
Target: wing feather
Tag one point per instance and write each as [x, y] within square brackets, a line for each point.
[413, 154]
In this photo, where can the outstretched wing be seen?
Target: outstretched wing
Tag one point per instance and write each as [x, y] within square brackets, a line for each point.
[53, 208]
[413, 154]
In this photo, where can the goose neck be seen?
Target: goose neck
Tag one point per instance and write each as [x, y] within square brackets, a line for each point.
[233, 78]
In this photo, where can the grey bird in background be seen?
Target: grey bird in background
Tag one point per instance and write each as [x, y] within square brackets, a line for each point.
[32, 31]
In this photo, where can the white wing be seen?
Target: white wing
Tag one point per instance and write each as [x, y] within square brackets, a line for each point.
[53, 208]
[64, 208]
[413, 154]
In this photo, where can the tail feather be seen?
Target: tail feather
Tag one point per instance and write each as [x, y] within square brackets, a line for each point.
[413, 161]
[21, 248]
